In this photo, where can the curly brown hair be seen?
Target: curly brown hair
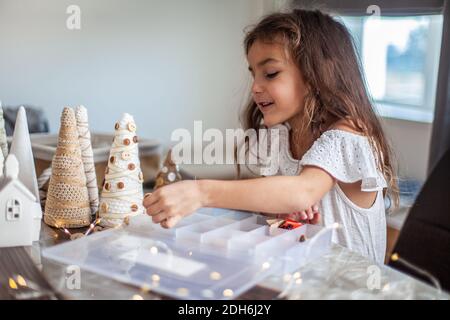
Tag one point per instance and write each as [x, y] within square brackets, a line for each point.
[324, 51]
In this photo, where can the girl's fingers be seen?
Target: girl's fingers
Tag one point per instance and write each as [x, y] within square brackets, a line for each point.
[154, 209]
[303, 215]
[170, 222]
[315, 219]
[315, 208]
[160, 217]
[309, 213]
[149, 199]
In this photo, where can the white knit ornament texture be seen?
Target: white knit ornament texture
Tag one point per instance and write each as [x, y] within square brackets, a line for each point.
[88, 156]
[3, 142]
[122, 192]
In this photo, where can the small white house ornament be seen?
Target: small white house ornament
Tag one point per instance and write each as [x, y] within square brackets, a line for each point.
[20, 211]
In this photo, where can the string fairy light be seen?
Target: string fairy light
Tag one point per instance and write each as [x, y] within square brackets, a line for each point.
[92, 226]
[395, 257]
[295, 279]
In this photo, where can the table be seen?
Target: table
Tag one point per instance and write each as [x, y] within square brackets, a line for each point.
[341, 274]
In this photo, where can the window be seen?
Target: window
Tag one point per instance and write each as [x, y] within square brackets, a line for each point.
[13, 211]
[400, 58]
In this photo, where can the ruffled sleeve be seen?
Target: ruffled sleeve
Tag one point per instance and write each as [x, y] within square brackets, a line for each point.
[348, 157]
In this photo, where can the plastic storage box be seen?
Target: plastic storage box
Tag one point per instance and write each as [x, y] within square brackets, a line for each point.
[211, 254]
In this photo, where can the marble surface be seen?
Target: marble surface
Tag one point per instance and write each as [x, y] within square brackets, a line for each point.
[341, 274]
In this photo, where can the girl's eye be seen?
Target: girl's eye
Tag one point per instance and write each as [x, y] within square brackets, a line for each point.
[271, 75]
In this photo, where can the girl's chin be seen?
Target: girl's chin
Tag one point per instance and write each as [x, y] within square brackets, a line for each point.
[271, 122]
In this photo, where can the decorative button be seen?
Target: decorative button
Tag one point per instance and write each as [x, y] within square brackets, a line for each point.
[112, 159]
[104, 207]
[107, 186]
[159, 182]
[131, 127]
[117, 126]
[135, 139]
[134, 207]
[126, 142]
[171, 177]
[126, 155]
[120, 185]
[131, 166]
[76, 236]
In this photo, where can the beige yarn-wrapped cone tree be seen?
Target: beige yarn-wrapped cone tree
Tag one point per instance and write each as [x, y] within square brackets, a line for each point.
[169, 173]
[67, 202]
[122, 192]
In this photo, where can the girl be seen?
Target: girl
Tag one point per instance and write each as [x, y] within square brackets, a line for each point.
[307, 83]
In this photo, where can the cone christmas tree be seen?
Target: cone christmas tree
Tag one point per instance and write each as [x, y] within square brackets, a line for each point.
[2, 161]
[122, 192]
[67, 202]
[21, 148]
[169, 173]
[3, 142]
[88, 157]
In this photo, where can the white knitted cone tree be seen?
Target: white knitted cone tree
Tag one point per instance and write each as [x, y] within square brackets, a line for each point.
[2, 162]
[87, 156]
[3, 142]
[21, 148]
[122, 192]
[67, 202]
[169, 173]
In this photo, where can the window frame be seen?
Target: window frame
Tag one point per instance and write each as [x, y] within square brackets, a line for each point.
[389, 109]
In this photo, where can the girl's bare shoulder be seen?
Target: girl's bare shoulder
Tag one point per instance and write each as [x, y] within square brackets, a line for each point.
[346, 125]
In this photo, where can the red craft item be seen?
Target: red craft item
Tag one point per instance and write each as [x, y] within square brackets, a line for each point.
[290, 224]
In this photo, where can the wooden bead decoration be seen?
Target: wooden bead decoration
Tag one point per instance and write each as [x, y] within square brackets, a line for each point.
[126, 142]
[120, 185]
[112, 159]
[76, 236]
[107, 186]
[131, 127]
[104, 207]
[135, 139]
[131, 166]
[117, 126]
[134, 207]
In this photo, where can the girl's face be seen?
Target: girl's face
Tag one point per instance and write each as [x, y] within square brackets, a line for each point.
[278, 87]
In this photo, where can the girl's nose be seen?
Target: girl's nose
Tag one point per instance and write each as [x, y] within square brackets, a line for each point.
[256, 87]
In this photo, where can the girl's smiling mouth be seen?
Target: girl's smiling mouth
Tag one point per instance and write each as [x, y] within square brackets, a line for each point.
[264, 106]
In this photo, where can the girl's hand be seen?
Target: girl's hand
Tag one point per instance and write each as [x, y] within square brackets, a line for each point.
[311, 216]
[169, 204]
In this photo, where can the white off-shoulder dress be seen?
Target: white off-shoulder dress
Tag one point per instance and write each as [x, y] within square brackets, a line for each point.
[349, 158]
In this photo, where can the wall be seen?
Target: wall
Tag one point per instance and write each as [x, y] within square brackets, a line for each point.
[168, 63]
[411, 143]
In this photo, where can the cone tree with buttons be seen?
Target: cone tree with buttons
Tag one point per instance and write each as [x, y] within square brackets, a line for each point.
[169, 173]
[122, 191]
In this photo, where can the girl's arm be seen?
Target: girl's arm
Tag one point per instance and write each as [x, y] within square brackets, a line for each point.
[280, 194]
